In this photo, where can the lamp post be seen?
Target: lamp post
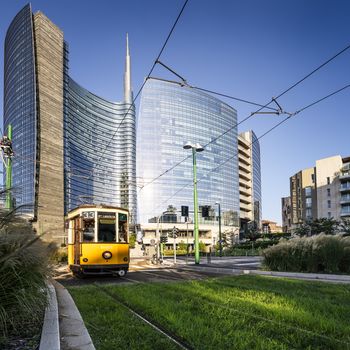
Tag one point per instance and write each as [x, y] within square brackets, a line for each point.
[220, 242]
[195, 148]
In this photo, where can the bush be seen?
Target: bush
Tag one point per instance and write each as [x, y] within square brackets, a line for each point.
[321, 253]
[23, 273]
[60, 255]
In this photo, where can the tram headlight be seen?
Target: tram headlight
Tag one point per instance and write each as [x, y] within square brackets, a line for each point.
[107, 255]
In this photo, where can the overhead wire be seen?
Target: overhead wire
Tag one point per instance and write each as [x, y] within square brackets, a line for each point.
[142, 86]
[249, 116]
[256, 140]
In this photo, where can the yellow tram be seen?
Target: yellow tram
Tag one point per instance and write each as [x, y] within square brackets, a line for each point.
[98, 240]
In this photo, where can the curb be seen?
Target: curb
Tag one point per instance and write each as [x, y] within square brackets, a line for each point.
[300, 275]
[304, 276]
[74, 334]
[50, 335]
[212, 269]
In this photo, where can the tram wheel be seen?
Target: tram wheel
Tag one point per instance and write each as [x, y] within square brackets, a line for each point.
[121, 273]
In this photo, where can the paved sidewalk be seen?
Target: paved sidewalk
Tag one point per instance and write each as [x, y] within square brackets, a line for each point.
[322, 277]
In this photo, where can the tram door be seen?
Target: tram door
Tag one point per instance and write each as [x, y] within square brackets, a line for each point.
[77, 230]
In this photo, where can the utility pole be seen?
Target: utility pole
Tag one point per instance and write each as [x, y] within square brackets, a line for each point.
[195, 148]
[220, 238]
[174, 234]
[6, 155]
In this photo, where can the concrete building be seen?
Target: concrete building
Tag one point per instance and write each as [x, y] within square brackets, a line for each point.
[303, 196]
[286, 214]
[269, 226]
[61, 131]
[320, 192]
[249, 180]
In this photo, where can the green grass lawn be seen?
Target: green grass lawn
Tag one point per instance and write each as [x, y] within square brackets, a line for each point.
[244, 312]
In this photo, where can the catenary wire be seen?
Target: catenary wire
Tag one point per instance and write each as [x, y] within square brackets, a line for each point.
[253, 113]
[256, 140]
[142, 86]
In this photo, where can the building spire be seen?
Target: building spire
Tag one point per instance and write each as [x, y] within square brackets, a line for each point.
[127, 75]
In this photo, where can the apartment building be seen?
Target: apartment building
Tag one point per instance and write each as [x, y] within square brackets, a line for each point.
[319, 192]
[249, 180]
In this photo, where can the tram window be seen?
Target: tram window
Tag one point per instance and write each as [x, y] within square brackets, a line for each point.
[106, 227]
[89, 230]
[123, 227]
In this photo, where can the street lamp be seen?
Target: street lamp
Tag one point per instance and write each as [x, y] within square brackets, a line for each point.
[220, 242]
[195, 148]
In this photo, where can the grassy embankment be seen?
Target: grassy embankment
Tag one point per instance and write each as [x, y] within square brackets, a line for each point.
[245, 312]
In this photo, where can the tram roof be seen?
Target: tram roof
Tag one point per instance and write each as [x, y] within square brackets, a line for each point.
[95, 206]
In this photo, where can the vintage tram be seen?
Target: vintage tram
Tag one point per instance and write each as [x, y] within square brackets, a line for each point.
[98, 240]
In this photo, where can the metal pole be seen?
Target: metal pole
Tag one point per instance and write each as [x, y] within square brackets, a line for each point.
[174, 247]
[195, 200]
[8, 203]
[220, 243]
[158, 240]
[187, 241]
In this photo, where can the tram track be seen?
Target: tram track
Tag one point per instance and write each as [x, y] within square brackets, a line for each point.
[157, 327]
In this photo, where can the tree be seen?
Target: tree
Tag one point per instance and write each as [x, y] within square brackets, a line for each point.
[344, 227]
[132, 240]
[327, 226]
[202, 247]
[182, 245]
[303, 230]
[171, 209]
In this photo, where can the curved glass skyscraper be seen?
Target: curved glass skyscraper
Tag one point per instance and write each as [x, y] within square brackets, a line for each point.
[20, 105]
[170, 115]
[71, 146]
[94, 173]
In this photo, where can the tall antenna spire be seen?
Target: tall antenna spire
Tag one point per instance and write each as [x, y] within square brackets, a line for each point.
[127, 75]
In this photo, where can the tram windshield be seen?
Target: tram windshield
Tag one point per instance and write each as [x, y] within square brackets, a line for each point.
[106, 227]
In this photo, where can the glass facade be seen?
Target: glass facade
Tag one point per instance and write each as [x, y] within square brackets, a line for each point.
[99, 136]
[99, 151]
[20, 107]
[169, 116]
[256, 179]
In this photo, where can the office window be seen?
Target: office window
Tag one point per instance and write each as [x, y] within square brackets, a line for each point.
[308, 191]
[308, 202]
[328, 180]
[313, 178]
[329, 203]
[328, 192]
[308, 214]
[329, 215]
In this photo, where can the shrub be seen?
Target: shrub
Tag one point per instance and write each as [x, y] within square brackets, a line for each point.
[321, 253]
[60, 255]
[23, 272]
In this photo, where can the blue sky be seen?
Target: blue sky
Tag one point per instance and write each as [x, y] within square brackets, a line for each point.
[250, 49]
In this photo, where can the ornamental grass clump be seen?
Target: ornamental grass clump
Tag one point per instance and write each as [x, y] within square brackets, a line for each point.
[23, 274]
[320, 253]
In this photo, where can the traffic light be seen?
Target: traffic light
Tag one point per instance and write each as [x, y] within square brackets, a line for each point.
[184, 211]
[163, 239]
[205, 211]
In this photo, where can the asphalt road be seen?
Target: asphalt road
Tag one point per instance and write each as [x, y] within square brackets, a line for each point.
[142, 272]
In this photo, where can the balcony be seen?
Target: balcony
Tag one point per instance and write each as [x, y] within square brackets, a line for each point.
[344, 175]
[244, 184]
[245, 207]
[345, 199]
[345, 187]
[345, 211]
